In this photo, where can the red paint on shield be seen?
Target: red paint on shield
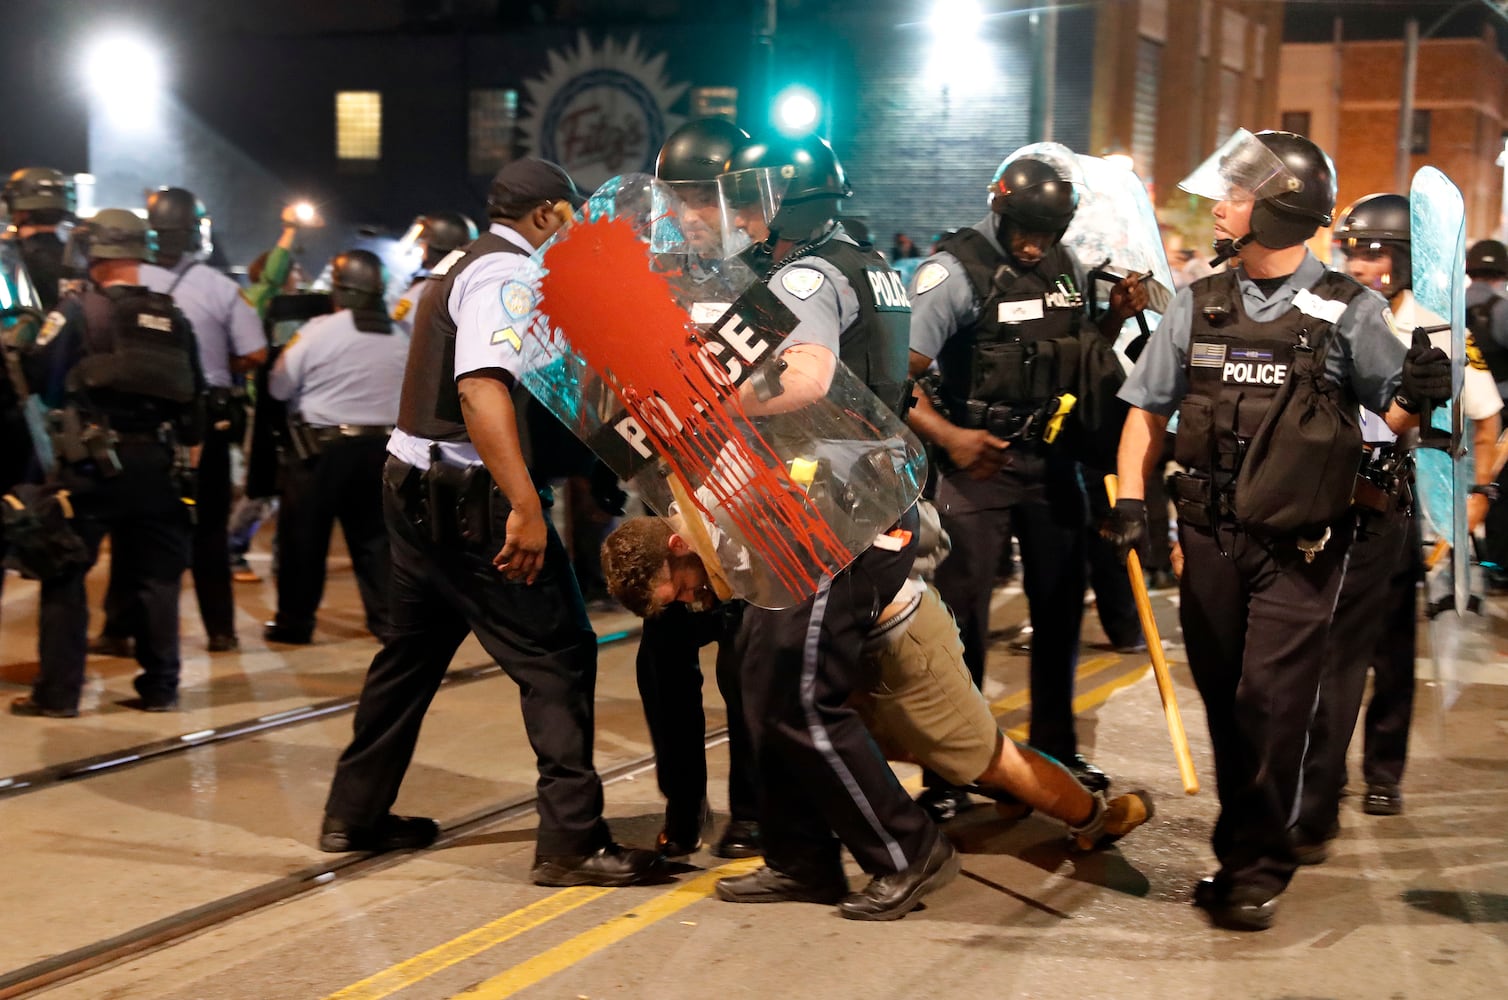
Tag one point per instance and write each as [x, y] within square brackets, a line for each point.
[622, 319]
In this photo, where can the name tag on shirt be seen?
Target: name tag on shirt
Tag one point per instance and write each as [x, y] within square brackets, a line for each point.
[1022, 311]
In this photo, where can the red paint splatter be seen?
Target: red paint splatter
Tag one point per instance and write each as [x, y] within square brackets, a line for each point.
[609, 324]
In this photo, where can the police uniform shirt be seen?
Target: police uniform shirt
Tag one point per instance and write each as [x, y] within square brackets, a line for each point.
[408, 306]
[492, 303]
[1363, 351]
[824, 302]
[225, 326]
[1479, 393]
[942, 296]
[1480, 291]
[332, 373]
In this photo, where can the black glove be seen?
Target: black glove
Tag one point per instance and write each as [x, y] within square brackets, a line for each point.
[1127, 528]
[1426, 375]
[606, 491]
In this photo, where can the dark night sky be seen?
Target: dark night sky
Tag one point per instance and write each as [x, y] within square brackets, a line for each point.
[1376, 19]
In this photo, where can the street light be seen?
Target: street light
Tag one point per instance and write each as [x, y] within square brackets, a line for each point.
[125, 77]
[797, 110]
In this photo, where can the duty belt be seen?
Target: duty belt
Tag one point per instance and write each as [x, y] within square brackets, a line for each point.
[1012, 422]
[309, 440]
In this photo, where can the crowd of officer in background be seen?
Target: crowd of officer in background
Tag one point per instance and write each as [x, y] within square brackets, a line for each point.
[133, 365]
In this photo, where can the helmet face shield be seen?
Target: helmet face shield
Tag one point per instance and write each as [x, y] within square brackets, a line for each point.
[748, 201]
[1242, 169]
[1056, 155]
[688, 219]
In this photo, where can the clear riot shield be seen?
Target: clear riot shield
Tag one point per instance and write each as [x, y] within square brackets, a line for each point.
[20, 321]
[1444, 472]
[666, 365]
[1114, 233]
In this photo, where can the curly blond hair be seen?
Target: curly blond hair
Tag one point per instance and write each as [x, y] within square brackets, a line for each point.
[634, 561]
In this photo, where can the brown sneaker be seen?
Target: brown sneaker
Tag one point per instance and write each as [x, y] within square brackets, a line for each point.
[1112, 820]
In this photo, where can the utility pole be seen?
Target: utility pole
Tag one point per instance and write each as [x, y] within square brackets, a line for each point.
[1044, 29]
[1402, 172]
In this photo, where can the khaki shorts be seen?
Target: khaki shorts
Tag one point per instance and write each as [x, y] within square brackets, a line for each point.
[920, 703]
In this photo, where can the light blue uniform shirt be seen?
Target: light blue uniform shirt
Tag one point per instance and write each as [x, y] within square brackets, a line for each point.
[407, 309]
[1363, 351]
[332, 373]
[824, 302]
[492, 296]
[225, 326]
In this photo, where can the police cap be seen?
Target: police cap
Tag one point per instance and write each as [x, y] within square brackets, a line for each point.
[528, 182]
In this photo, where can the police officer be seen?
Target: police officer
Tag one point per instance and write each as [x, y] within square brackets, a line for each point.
[1487, 317]
[1256, 600]
[822, 780]
[669, 668]
[440, 233]
[1375, 615]
[340, 376]
[473, 551]
[231, 343]
[126, 367]
[999, 308]
[41, 202]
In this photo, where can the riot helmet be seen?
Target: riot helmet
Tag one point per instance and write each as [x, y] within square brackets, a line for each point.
[1289, 180]
[699, 150]
[40, 196]
[1373, 230]
[686, 173]
[119, 234]
[442, 232]
[785, 186]
[358, 280]
[1037, 187]
[1487, 259]
[181, 222]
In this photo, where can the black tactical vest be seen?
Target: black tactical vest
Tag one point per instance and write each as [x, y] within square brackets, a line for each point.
[139, 365]
[876, 345]
[1237, 365]
[1479, 322]
[430, 406]
[43, 254]
[1023, 348]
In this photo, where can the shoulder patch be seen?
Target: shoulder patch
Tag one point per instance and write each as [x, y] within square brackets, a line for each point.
[929, 276]
[1474, 354]
[802, 282]
[402, 308]
[50, 328]
[518, 299]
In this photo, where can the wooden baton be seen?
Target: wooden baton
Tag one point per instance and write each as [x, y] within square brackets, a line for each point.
[1159, 662]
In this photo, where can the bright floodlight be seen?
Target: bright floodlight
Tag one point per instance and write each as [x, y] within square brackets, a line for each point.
[955, 18]
[124, 74]
[304, 212]
[796, 111]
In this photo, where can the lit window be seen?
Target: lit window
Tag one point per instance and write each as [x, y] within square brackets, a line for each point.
[358, 125]
[493, 118]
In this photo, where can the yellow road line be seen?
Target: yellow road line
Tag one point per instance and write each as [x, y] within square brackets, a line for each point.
[588, 943]
[1096, 697]
[1020, 699]
[472, 943]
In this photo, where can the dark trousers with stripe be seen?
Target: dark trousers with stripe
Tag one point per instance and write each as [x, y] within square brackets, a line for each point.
[820, 772]
[1375, 626]
[1256, 621]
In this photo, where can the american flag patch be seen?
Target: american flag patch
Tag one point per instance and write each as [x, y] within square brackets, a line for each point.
[1207, 355]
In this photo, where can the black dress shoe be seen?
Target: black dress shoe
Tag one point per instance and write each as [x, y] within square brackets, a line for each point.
[1236, 908]
[613, 865]
[25, 706]
[891, 897]
[287, 634]
[682, 833]
[1382, 800]
[1087, 774]
[1311, 848]
[120, 646]
[390, 833]
[766, 885]
[944, 802]
[151, 704]
[222, 644]
[740, 839]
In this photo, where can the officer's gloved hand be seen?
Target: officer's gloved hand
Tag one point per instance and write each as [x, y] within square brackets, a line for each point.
[1127, 528]
[1426, 375]
[606, 491]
